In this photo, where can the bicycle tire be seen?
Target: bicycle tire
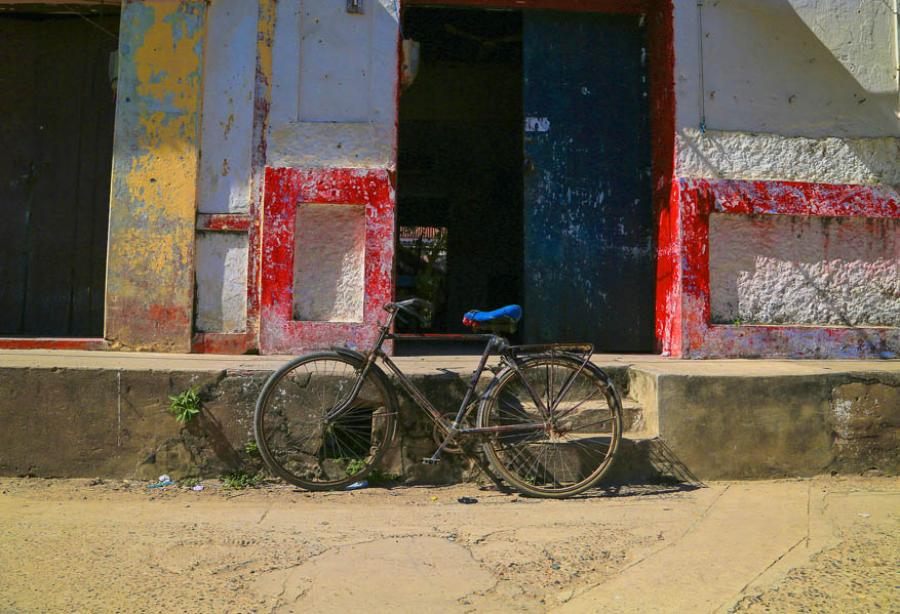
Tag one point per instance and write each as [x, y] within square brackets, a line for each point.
[537, 463]
[299, 445]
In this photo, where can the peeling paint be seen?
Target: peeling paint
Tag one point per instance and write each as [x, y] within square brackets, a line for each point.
[285, 189]
[149, 297]
[227, 124]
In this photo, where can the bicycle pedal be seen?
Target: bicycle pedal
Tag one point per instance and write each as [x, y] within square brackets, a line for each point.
[430, 461]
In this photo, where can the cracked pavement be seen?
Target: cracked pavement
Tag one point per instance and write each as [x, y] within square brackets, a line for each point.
[824, 544]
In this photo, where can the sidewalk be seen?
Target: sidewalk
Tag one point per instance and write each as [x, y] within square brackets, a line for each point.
[826, 544]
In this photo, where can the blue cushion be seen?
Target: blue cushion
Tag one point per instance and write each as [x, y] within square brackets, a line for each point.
[514, 312]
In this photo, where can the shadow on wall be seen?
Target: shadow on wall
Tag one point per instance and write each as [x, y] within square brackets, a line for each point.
[765, 70]
[781, 106]
[738, 155]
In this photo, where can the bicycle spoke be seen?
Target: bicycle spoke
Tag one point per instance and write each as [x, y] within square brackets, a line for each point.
[571, 450]
[297, 440]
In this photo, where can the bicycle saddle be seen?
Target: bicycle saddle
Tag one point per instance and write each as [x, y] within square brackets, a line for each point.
[502, 320]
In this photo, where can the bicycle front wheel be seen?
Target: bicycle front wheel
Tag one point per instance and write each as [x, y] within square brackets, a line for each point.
[576, 419]
[298, 438]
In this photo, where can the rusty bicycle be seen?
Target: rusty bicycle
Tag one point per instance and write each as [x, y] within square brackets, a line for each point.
[548, 423]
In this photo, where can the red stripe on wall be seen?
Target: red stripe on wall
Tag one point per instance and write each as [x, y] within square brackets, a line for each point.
[50, 343]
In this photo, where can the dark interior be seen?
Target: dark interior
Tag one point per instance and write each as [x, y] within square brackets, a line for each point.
[460, 164]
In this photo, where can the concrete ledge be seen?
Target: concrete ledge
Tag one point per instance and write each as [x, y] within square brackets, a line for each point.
[772, 421]
[86, 414]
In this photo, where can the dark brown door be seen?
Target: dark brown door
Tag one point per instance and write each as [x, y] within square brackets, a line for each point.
[57, 109]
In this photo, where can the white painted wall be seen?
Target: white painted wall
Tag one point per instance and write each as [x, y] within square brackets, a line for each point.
[778, 269]
[792, 89]
[221, 282]
[334, 85]
[226, 141]
[329, 263]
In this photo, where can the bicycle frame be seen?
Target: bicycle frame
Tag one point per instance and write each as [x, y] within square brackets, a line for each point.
[495, 344]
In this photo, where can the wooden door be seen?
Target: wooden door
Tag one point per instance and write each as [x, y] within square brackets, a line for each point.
[57, 108]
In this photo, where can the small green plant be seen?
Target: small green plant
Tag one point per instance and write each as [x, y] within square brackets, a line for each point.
[190, 482]
[251, 448]
[738, 321]
[354, 466]
[239, 480]
[186, 405]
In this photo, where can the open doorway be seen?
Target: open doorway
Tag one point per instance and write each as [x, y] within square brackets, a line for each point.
[525, 172]
[57, 103]
[459, 190]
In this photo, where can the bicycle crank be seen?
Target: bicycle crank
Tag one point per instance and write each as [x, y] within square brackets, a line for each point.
[438, 436]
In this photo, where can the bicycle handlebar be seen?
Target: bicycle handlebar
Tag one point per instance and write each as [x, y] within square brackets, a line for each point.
[412, 306]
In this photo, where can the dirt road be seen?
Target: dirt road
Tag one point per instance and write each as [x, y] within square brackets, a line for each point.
[828, 544]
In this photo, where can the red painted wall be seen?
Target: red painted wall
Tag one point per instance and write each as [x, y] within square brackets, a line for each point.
[683, 291]
[285, 188]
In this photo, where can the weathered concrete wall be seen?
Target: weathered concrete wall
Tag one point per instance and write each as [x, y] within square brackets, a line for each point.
[825, 70]
[765, 69]
[229, 74]
[777, 425]
[865, 419]
[785, 107]
[221, 282]
[781, 269]
[66, 423]
[329, 263]
[334, 85]
[149, 292]
[741, 421]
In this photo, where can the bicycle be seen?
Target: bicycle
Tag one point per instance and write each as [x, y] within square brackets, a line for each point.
[549, 422]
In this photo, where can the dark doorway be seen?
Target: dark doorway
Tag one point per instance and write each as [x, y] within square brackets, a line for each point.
[57, 104]
[460, 163]
[524, 173]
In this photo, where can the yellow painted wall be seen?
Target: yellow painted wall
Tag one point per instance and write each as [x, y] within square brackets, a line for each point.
[150, 271]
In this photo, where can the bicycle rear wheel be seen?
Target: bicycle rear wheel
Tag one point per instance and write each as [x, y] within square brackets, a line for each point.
[577, 425]
[301, 444]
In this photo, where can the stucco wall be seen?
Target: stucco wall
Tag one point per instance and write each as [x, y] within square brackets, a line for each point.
[329, 263]
[333, 85]
[226, 141]
[738, 155]
[791, 89]
[221, 282]
[779, 269]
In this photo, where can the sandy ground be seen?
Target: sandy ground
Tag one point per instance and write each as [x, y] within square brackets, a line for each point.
[821, 545]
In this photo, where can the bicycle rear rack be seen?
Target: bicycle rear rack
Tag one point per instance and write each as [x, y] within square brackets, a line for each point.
[582, 351]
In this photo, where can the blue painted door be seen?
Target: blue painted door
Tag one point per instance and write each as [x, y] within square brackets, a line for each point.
[589, 256]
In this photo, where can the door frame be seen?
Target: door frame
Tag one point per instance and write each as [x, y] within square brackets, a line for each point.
[661, 71]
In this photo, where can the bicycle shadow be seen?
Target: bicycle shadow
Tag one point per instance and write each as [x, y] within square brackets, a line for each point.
[647, 468]
[642, 468]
